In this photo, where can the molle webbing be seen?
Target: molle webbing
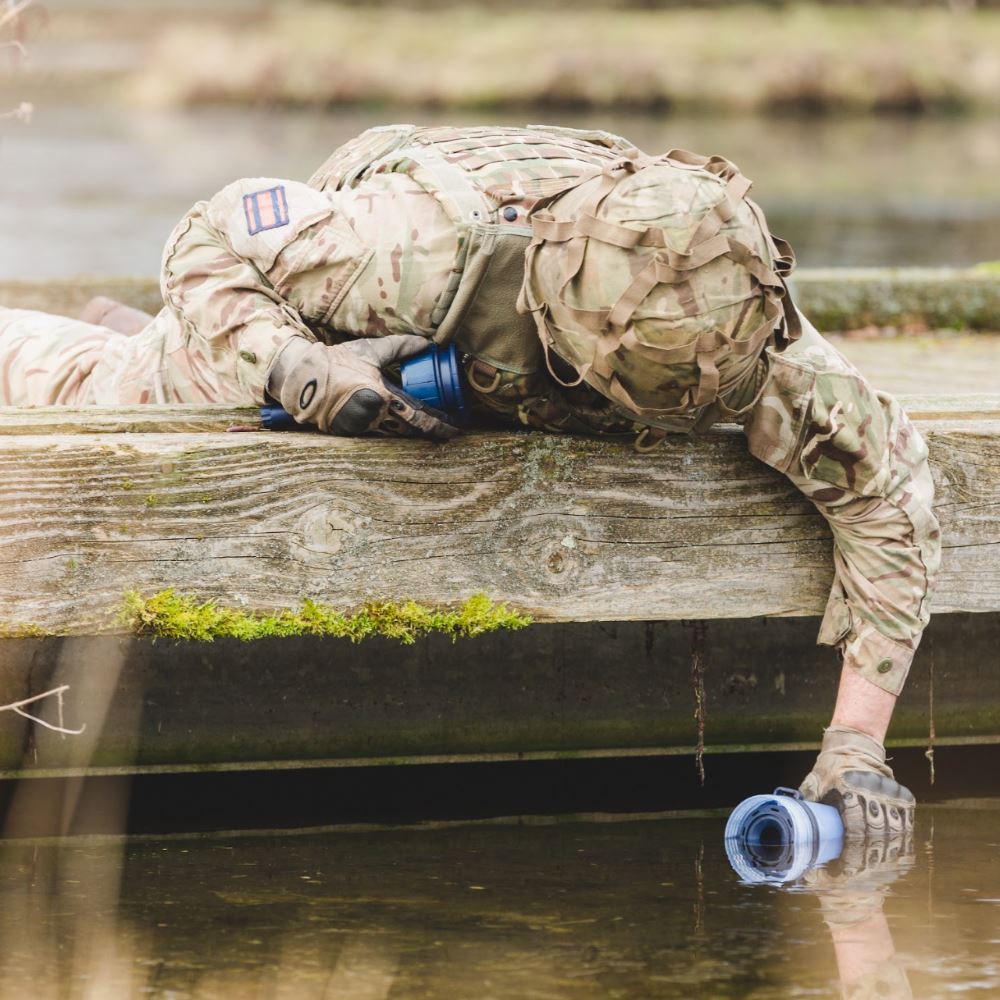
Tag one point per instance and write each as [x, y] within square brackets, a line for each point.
[533, 400]
[489, 180]
[610, 327]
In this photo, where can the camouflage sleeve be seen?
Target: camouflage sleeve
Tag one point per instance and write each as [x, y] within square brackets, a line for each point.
[346, 163]
[858, 458]
[252, 267]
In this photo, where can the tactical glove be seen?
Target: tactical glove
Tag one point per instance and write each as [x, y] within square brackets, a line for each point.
[851, 774]
[341, 390]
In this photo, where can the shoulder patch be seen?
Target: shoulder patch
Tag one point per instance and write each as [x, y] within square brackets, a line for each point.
[266, 209]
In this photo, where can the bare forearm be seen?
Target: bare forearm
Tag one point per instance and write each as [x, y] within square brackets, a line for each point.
[862, 705]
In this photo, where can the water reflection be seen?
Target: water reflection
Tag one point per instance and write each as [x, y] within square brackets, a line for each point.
[851, 891]
[572, 910]
[850, 881]
[858, 192]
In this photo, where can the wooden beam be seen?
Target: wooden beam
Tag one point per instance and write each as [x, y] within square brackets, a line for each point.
[50, 420]
[185, 419]
[68, 296]
[569, 529]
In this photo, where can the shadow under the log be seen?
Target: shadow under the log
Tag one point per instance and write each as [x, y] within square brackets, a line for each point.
[549, 690]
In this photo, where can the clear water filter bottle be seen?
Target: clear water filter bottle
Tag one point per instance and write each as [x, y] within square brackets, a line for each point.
[778, 838]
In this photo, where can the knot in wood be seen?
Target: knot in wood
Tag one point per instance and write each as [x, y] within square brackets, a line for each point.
[325, 529]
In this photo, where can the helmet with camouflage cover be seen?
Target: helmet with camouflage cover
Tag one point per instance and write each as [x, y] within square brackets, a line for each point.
[659, 283]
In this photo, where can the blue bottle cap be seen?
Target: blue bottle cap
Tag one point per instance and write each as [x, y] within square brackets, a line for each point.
[276, 418]
[434, 377]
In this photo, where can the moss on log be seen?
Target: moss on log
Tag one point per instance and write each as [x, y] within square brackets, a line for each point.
[181, 616]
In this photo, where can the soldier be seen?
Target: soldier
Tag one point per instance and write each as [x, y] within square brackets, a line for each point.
[591, 289]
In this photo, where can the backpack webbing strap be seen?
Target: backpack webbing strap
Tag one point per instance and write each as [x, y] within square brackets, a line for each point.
[612, 327]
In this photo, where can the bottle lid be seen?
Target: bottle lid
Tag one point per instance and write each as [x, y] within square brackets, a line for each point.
[434, 377]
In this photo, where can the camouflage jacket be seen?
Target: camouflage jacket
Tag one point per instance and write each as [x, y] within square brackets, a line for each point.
[376, 244]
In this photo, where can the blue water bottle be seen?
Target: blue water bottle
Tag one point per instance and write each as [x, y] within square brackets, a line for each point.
[276, 418]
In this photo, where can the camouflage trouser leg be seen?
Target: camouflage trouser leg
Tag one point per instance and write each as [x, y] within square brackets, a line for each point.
[54, 361]
[48, 360]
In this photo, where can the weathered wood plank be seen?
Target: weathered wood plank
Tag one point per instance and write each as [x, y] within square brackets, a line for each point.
[128, 419]
[566, 528]
[181, 419]
[833, 298]
[68, 296]
[974, 406]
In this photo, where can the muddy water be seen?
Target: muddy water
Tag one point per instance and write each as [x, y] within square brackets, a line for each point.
[92, 189]
[642, 909]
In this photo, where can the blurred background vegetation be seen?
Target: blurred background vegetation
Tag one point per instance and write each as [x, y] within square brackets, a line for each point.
[703, 57]
[871, 130]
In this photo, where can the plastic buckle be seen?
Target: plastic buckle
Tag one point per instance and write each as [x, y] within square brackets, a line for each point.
[792, 793]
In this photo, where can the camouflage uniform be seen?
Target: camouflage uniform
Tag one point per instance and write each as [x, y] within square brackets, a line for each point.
[424, 231]
[854, 453]
[50, 360]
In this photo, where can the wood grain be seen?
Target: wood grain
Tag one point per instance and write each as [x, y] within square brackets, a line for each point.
[173, 419]
[566, 528]
[183, 419]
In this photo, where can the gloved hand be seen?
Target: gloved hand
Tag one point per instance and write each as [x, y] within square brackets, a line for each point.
[851, 774]
[341, 390]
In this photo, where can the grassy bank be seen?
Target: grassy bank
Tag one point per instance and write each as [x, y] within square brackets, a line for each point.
[907, 300]
[805, 58]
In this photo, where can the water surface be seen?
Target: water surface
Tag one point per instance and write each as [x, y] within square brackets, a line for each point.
[567, 911]
[94, 189]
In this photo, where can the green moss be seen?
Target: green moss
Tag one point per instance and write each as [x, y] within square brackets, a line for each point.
[19, 630]
[933, 299]
[151, 500]
[181, 616]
